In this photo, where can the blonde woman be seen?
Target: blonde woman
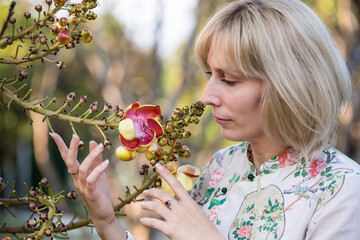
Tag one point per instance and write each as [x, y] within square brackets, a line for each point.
[276, 84]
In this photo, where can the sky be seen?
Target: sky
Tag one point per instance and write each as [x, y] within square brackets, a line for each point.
[140, 16]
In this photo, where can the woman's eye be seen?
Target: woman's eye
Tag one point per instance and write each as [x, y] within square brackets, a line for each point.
[230, 83]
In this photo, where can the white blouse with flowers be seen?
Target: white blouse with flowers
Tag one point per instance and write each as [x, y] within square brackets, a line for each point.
[289, 198]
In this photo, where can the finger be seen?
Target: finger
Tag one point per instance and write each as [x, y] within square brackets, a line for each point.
[97, 161]
[84, 168]
[175, 185]
[157, 207]
[161, 195]
[96, 173]
[156, 224]
[71, 161]
[61, 145]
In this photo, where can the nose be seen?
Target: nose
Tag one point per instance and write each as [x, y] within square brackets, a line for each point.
[211, 94]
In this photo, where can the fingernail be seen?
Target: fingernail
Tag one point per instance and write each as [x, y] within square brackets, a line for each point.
[142, 204]
[159, 167]
[104, 163]
[92, 141]
[50, 133]
[141, 220]
[145, 192]
[99, 146]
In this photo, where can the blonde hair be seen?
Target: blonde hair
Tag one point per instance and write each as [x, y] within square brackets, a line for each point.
[287, 46]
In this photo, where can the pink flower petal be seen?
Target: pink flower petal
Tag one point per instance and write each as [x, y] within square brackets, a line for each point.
[155, 126]
[130, 111]
[133, 144]
[148, 111]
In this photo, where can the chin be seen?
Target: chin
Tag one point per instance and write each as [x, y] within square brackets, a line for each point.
[232, 135]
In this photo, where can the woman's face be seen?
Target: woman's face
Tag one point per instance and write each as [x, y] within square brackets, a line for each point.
[235, 100]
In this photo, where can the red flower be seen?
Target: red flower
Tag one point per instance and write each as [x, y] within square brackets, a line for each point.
[243, 232]
[287, 157]
[140, 125]
[317, 166]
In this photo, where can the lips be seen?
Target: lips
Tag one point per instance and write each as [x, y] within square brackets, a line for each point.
[221, 121]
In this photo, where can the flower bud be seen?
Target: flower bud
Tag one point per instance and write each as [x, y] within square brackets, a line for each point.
[33, 207]
[38, 8]
[48, 232]
[23, 74]
[81, 144]
[43, 40]
[49, 2]
[94, 107]
[73, 19]
[162, 142]
[59, 1]
[64, 37]
[125, 154]
[34, 194]
[12, 20]
[55, 28]
[45, 182]
[91, 15]
[32, 50]
[83, 99]
[107, 144]
[30, 223]
[63, 21]
[41, 23]
[27, 15]
[43, 217]
[86, 36]
[150, 152]
[60, 65]
[169, 127]
[71, 195]
[159, 152]
[70, 97]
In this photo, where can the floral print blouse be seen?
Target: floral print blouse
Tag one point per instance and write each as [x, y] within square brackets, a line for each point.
[289, 198]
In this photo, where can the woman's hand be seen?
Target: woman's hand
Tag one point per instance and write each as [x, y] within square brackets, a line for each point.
[92, 185]
[182, 218]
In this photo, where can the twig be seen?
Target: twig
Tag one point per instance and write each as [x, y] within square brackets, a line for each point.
[11, 12]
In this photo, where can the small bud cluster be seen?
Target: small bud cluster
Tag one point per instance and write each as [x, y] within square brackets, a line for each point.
[71, 195]
[144, 169]
[70, 97]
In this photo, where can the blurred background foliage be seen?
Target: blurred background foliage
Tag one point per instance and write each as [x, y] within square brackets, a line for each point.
[115, 68]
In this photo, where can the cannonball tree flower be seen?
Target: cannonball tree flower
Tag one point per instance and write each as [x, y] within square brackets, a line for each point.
[185, 174]
[140, 125]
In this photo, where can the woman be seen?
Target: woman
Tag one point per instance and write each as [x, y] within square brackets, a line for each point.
[276, 84]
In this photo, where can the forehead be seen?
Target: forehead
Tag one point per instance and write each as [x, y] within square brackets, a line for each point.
[218, 57]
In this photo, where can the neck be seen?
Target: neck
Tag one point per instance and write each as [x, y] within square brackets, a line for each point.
[264, 150]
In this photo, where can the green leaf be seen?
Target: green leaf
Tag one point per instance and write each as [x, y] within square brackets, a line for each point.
[266, 171]
[328, 169]
[275, 166]
[304, 173]
[297, 174]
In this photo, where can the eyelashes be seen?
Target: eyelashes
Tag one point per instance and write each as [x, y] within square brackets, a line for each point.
[227, 82]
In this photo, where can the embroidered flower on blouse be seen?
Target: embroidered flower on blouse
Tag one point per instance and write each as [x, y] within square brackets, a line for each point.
[316, 167]
[288, 157]
[243, 232]
[213, 214]
[216, 176]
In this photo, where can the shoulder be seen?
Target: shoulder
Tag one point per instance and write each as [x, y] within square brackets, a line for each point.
[339, 177]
